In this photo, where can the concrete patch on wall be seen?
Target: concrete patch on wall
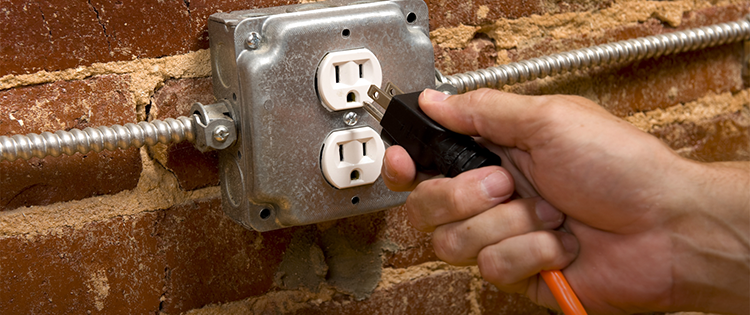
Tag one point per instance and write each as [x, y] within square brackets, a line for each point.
[354, 263]
[303, 265]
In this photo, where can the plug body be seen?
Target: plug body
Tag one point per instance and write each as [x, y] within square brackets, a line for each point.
[430, 145]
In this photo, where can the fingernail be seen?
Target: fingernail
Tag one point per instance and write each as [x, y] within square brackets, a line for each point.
[386, 170]
[435, 96]
[496, 185]
[548, 214]
[570, 243]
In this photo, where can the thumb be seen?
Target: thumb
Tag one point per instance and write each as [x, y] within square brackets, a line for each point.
[504, 118]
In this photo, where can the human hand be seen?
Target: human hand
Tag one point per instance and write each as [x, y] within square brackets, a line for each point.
[602, 199]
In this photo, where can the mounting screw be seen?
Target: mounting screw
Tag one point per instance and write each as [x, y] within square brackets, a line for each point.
[221, 133]
[253, 41]
[351, 118]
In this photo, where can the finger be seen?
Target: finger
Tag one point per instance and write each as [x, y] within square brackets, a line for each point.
[399, 172]
[504, 118]
[518, 163]
[442, 200]
[507, 263]
[459, 243]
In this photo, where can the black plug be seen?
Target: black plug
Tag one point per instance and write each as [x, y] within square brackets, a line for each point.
[430, 145]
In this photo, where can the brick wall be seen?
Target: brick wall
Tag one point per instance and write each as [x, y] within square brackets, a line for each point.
[141, 231]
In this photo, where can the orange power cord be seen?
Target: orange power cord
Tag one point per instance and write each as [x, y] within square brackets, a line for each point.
[563, 293]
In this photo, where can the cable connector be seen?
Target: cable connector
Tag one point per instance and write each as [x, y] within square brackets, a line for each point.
[430, 145]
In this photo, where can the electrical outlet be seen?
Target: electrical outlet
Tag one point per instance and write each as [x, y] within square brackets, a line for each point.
[274, 67]
[345, 76]
[352, 157]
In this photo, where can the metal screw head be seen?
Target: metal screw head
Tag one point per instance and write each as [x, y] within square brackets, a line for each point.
[351, 118]
[221, 133]
[253, 40]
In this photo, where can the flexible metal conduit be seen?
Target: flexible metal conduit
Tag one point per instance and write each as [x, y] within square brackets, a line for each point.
[183, 128]
[97, 139]
[622, 51]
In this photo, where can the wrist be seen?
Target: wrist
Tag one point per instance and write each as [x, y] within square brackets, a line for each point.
[710, 236]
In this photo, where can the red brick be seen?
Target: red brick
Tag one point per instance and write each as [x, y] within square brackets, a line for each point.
[722, 138]
[438, 293]
[447, 13]
[494, 301]
[200, 10]
[48, 36]
[413, 247]
[55, 35]
[192, 168]
[713, 15]
[546, 46]
[63, 105]
[665, 81]
[211, 259]
[72, 33]
[111, 266]
[54, 179]
[479, 53]
[650, 84]
[98, 101]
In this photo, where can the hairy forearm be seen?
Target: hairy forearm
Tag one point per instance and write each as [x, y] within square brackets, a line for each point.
[711, 240]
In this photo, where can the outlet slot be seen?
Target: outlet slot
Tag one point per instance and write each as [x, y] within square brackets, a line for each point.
[344, 77]
[352, 157]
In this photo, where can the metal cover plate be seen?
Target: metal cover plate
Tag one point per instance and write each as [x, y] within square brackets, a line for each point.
[271, 177]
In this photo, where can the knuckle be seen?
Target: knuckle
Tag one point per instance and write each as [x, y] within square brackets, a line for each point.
[413, 212]
[492, 268]
[546, 247]
[459, 202]
[447, 244]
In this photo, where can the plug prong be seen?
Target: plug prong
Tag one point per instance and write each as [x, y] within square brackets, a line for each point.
[373, 111]
[379, 97]
[392, 90]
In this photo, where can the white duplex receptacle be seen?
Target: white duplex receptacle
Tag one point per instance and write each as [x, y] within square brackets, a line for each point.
[352, 157]
[345, 76]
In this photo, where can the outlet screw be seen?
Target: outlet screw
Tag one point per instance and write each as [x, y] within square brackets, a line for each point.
[221, 133]
[253, 41]
[351, 118]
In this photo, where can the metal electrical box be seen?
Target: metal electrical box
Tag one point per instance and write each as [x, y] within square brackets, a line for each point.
[265, 66]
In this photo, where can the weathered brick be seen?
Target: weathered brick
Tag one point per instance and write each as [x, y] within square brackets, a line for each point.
[48, 36]
[479, 53]
[200, 10]
[70, 33]
[55, 35]
[111, 266]
[650, 84]
[722, 138]
[493, 301]
[211, 259]
[438, 293]
[54, 179]
[192, 168]
[713, 15]
[103, 100]
[412, 246]
[447, 13]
